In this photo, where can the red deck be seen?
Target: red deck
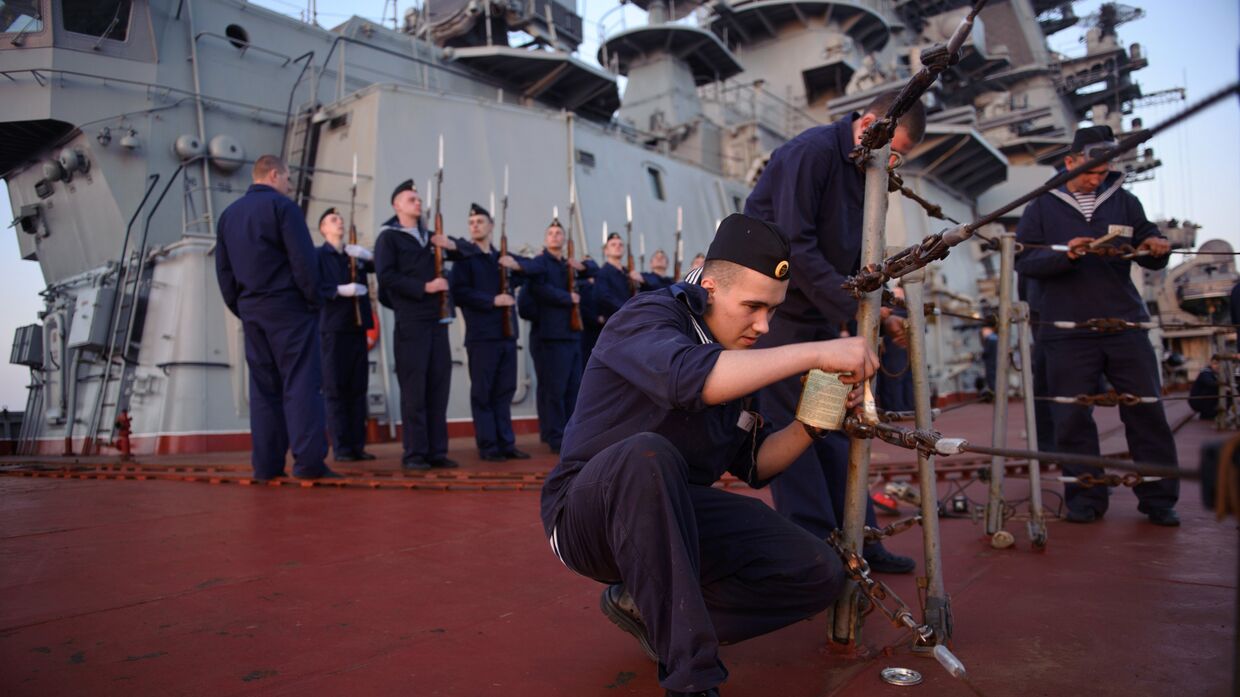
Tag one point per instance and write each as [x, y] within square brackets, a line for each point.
[171, 588]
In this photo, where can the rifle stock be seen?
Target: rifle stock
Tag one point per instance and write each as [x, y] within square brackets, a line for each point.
[503, 272]
[443, 295]
[574, 317]
[357, 302]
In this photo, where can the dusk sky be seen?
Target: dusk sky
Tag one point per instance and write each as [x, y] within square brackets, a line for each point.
[1192, 45]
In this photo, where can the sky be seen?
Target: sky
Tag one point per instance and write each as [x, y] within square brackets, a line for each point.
[1191, 45]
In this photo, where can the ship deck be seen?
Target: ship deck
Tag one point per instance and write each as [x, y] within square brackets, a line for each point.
[112, 584]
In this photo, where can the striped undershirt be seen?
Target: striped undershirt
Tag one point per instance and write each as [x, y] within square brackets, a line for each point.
[1087, 202]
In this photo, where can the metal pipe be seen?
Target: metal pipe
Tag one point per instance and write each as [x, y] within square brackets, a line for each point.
[937, 608]
[1037, 523]
[846, 618]
[994, 503]
[202, 119]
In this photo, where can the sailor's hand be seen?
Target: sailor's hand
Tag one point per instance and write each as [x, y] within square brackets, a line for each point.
[505, 300]
[443, 241]
[1157, 246]
[577, 265]
[637, 276]
[576, 298]
[895, 328]
[351, 290]
[851, 358]
[357, 251]
[1077, 247]
[509, 263]
[439, 285]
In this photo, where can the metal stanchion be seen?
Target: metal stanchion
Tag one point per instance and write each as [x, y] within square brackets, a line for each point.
[937, 609]
[846, 619]
[994, 504]
[1037, 523]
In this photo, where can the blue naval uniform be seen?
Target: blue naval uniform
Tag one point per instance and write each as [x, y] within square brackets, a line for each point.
[405, 263]
[346, 362]
[591, 327]
[1063, 289]
[631, 499]
[492, 356]
[557, 359]
[813, 193]
[653, 281]
[268, 274]
[611, 290]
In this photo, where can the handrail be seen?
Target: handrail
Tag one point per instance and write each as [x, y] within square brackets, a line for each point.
[245, 46]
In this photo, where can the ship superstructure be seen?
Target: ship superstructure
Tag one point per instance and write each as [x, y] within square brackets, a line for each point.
[130, 124]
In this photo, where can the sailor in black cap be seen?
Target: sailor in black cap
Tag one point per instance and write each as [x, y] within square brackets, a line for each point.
[666, 407]
[405, 265]
[1077, 286]
[268, 274]
[657, 277]
[343, 322]
[615, 284]
[492, 355]
[558, 359]
[813, 192]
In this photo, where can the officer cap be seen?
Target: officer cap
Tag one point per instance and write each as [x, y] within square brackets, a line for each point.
[406, 185]
[1092, 135]
[613, 236]
[475, 209]
[329, 211]
[753, 244]
[555, 222]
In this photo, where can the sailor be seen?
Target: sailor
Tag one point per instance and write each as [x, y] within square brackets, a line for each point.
[405, 265]
[666, 407]
[592, 321]
[269, 277]
[698, 260]
[476, 290]
[343, 323]
[657, 277]
[894, 383]
[813, 192]
[1077, 286]
[615, 284]
[559, 345]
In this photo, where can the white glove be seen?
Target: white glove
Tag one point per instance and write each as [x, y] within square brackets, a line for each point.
[349, 290]
[357, 251]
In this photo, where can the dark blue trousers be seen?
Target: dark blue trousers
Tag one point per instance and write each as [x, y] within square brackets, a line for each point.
[286, 397]
[811, 491]
[706, 567]
[894, 393]
[1042, 415]
[560, 376]
[492, 383]
[1127, 361]
[346, 372]
[424, 370]
[540, 387]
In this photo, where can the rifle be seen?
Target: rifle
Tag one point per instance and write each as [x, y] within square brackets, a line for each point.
[574, 317]
[443, 296]
[357, 302]
[628, 241]
[503, 252]
[680, 244]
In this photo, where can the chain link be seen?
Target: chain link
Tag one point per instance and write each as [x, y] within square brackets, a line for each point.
[877, 592]
[876, 534]
[1089, 481]
[1105, 399]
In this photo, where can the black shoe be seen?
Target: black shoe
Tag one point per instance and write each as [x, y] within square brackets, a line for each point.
[618, 605]
[325, 473]
[884, 562]
[415, 464]
[365, 456]
[443, 463]
[712, 692]
[492, 457]
[1166, 517]
[264, 480]
[514, 454]
[347, 457]
[1081, 515]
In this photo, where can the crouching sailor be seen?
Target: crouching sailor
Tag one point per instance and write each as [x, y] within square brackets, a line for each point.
[666, 407]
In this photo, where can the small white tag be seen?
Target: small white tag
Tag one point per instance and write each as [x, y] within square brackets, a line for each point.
[746, 421]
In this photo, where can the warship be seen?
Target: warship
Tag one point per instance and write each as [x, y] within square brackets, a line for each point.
[129, 125]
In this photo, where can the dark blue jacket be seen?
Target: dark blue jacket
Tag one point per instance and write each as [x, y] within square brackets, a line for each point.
[611, 290]
[813, 193]
[475, 283]
[1062, 289]
[404, 267]
[548, 278]
[646, 374]
[338, 314]
[653, 281]
[264, 258]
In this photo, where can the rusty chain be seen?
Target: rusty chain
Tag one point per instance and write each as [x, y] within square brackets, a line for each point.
[877, 592]
[1110, 398]
[1089, 481]
[876, 534]
[895, 183]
